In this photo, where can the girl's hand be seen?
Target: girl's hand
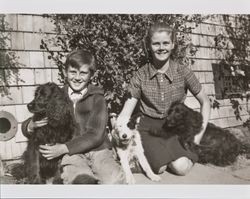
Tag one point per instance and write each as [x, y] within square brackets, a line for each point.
[197, 138]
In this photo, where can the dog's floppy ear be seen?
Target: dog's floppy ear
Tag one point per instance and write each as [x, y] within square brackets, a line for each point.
[58, 112]
[134, 121]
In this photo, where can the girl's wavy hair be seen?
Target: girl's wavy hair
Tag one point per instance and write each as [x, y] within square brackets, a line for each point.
[157, 27]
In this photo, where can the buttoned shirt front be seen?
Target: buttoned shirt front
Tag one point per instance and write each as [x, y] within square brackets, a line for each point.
[75, 96]
[157, 91]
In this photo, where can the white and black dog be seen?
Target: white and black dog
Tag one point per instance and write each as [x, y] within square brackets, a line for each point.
[127, 143]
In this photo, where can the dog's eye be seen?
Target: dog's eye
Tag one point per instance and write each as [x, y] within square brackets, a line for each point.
[131, 125]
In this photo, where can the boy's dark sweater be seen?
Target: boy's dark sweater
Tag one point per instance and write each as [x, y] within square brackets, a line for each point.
[91, 116]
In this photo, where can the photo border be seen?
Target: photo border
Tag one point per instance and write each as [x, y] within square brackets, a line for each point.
[126, 7]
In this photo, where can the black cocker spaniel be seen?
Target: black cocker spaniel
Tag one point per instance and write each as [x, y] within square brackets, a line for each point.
[218, 146]
[50, 102]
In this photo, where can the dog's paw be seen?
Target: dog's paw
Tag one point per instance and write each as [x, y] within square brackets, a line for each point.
[155, 178]
[130, 179]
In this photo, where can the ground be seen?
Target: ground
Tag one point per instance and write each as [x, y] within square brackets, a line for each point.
[237, 173]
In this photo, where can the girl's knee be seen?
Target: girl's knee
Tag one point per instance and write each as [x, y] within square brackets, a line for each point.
[181, 166]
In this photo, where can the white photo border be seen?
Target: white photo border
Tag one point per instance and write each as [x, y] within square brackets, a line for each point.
[126, 7]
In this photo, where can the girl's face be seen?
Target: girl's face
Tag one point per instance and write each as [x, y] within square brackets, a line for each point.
[161, 46]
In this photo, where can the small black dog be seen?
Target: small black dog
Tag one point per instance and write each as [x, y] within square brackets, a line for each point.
[218, 146]
[49, 102]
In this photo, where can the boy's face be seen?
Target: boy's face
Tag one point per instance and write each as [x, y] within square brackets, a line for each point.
[161, 46]
[78, 79]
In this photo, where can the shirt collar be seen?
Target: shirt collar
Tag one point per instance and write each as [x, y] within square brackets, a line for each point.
[169, 73]
[81, 93]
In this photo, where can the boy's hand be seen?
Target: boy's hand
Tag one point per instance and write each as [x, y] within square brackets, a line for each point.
[53, 151]
[32, 125]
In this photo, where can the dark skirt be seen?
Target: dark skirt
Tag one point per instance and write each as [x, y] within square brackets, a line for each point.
[161, 151]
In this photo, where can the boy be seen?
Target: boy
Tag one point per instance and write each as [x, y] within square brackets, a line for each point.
[89, 153]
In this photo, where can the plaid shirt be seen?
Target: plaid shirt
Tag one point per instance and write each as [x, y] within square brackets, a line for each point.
[156, 91]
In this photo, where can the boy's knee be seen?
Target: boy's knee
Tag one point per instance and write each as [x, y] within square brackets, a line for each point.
[181, 166]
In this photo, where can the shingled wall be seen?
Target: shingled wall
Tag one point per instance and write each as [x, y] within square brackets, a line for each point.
[24, 34]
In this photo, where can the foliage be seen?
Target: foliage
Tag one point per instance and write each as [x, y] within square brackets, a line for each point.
[116, 41]
[8, 59]
[235, 43]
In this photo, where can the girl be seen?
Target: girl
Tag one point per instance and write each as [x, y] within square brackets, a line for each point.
[156, 86]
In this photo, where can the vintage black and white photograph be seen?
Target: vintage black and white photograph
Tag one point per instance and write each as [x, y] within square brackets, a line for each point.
[127, 99]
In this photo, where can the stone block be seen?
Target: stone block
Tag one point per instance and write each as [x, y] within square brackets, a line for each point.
[38, 23]
[23, 146]
[197, 29]
[222, 122]
[48, 75]
[17, 41]
[22, 113]
[210, 39]
[14, 96]
[195, 39]
[202, 77]
[214, 114]
[245, 117]
[203, 40]
[3, 150]
[32, 41]
[23, 58]
[25, 23]
[232, 121]
[2, 76]
[40, 76]
[209, 89]
[8, 149]
[11, 21]
[36, 60]
[192, 102]
[55, 76]
[207, 29]
[209, 77]
[49, 62]
[9, 108]
[28, 93]
[11, 76]
[20, 138]
[27, 77]
[16, 149]
[224, 111]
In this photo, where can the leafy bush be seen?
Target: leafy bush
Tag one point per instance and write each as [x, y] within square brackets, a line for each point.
[236, 45]
[116, 41]
[8, 59]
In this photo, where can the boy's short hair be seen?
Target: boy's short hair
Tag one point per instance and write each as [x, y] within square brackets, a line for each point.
[80, 57]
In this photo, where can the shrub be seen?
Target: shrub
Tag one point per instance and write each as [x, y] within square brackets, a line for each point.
[116, 41]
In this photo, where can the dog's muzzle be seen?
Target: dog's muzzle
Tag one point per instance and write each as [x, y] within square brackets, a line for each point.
[125, 141]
